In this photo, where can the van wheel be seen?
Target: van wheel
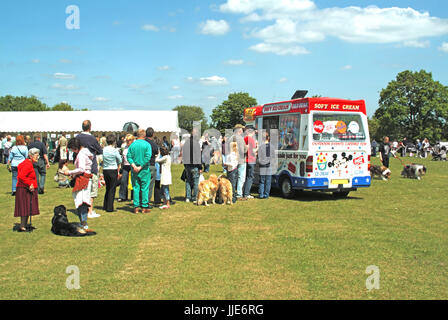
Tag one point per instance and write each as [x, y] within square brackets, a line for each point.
[341, 194]
[286, 188]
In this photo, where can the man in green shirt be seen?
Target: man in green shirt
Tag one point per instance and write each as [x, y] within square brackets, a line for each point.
[139, 155]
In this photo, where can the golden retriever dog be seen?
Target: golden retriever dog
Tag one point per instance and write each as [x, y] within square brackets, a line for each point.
[225, 190]
[207, 190]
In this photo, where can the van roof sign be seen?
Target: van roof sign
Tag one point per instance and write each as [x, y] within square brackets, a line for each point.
[306, 105]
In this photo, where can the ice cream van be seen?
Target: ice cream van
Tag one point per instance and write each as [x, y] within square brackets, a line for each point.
[323, 144]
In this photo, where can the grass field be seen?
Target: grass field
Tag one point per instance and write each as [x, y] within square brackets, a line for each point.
[310, 247]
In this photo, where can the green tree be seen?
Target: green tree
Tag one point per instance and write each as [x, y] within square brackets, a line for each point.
[413, 106]
[62, 107]
[188, 114]
[11, 103]
[231, 111]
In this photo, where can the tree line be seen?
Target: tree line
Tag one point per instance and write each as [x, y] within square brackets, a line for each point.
[412, 106]
[13, 103]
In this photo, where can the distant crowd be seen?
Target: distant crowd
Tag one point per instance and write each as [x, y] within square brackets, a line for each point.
[419, 148]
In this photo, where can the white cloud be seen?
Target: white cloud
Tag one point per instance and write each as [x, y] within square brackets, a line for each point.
[234, 62]
[292, 22]
[35, 61]
[212, 98]
[175, 97]
[64, 87]
[175, 87]
[214, 81]
[150, 27]
[444, 47]
[101, 99]
[64, 76]
[417, 44]
[347, 67]
[215, 27]
[65, 61]
[283, 80]
[164, 68]
[268, 8]
[279, 49]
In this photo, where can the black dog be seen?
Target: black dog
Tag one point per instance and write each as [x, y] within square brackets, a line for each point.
[61, 226]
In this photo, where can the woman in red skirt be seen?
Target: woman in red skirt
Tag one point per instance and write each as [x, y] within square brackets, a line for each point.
[26, 194]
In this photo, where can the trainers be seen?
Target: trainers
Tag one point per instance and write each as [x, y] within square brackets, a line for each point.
[250, 197]
[164, 207]
[93, 214]
[188, 200]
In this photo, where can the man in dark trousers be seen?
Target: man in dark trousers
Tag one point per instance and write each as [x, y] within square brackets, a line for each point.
[88, 141]
[152, 163]
[385, 148]
[191, 158]
[41, 166]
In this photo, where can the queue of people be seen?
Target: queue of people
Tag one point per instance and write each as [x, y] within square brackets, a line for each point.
[139, 166]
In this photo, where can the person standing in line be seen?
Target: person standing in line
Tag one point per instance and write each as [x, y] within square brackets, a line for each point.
[175, 149]
[7, 145]
[17, 155]
[27, 199]
[126, 169]
[238, 137]
[1, 149]
[251, 160]
[223, 154]
[43, 164]
[111, 168]
[165, 176]
[88, 141]
[152, 163]
[83, 179]
[264, 188]
[191, 158]
[139, 156]
[232, 168]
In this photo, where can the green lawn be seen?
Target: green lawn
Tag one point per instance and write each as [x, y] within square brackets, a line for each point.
[311, 247]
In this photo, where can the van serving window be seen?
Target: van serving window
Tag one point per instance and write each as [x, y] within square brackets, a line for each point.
[338, 127]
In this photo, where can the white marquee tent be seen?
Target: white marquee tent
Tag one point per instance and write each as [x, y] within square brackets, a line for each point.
[71, 121]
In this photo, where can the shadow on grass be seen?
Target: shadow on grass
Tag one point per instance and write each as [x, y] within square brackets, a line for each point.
[314, 196]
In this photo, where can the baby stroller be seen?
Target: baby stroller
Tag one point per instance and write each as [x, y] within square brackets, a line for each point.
[439, 154]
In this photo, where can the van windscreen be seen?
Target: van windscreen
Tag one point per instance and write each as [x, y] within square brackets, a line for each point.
[338, 127]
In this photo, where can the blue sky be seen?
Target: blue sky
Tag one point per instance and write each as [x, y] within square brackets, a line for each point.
[156, 55]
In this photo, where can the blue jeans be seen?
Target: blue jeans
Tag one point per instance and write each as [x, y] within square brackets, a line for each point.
[241, 179]
[249, 179]
[82, 212]
[166, 192]
[14, 172]
[191, 183]
[233, 178]
[224, 170]
[264, 188]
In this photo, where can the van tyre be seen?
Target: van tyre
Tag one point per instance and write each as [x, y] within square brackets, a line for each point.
[286, 188]
[341, 194]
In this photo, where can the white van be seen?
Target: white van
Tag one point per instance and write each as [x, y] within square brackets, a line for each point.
[323, 144]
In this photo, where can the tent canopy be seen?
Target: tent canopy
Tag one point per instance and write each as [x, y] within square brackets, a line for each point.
[71, 121]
